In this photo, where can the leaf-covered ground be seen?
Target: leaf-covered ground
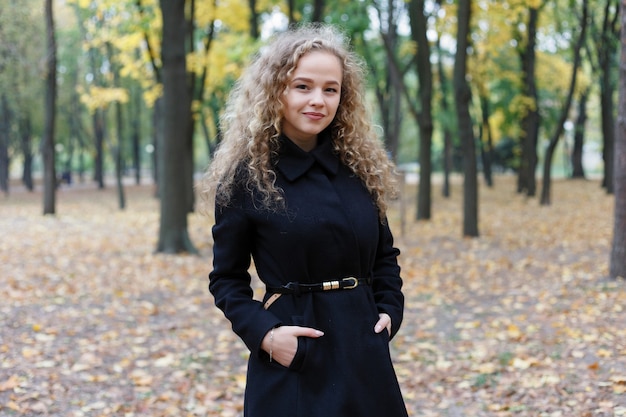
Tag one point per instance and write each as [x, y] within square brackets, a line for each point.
[520, 322]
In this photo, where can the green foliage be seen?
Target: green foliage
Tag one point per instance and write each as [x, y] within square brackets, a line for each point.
[96, 38]
[22, 50]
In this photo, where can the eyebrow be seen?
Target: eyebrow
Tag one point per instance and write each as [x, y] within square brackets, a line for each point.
[310, 80]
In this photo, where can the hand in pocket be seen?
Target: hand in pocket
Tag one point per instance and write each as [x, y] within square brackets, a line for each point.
[281, 343]
[384, 322]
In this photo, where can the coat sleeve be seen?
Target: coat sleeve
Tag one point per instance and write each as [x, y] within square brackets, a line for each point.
[387, 285]
[229, 281]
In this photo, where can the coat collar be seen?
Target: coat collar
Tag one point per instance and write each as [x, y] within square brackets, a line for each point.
[293, 162]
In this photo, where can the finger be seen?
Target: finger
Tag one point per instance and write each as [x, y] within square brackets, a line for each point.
[307, 332]
[384, 322]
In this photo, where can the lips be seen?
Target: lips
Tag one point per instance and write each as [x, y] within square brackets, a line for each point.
[314, 115]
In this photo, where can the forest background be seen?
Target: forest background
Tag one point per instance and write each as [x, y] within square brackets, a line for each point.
[469, 96]
[135, 88]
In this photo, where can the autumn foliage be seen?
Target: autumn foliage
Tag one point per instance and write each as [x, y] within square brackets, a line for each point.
[519, 322]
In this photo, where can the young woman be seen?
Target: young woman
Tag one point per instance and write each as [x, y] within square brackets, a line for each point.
[301, 184]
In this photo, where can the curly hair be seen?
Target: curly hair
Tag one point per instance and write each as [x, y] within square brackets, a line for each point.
[251, 122]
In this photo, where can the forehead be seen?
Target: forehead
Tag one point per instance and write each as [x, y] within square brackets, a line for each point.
[319, 64]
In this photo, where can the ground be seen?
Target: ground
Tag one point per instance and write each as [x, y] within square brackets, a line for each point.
[521, 321]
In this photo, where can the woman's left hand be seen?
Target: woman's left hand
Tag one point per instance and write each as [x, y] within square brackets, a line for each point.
[384, 322]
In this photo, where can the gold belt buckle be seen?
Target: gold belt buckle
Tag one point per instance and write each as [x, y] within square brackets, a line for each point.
[355, 283]
[340, 285]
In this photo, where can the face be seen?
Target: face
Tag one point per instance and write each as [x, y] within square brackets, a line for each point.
[311, 99]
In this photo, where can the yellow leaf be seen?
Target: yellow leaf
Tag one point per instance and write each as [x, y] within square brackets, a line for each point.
[10, 383]
[165, 361]
[513, 332]
[14, 406]
[487, 368]
[28, 353]
[141, 378]
[521, 363]
[241, 380]
[618, 379]
[467, 325]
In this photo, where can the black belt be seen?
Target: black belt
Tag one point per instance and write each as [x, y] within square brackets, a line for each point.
[298, 288]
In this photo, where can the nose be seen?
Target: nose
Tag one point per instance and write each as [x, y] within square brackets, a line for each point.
[317, 97]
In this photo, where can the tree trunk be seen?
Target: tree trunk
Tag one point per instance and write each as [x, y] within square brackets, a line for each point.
[98, 130]
[607, 49]
[173, 234]
[194, 93]
[390, 96]
[254, 20]
[206, 134]
[118, 154]
[554, 140]
[214, 107]
[608, 128]
[419, 27]
[188, 162]
[486, 141]
[26, 135]
[75, 125]
[98, 117]
[157, 110]
[530, 122]
[49, 171]
[578, 170]
[447, 133]
[462, 96]
[383, 90]
[136, 133]
[618, 249]
[157, 138]
[119, 124]
[291, 11]
[4, 144]
[318, 10]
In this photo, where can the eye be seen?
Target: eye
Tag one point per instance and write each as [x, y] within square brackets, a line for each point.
[332, 90]
[301, 87]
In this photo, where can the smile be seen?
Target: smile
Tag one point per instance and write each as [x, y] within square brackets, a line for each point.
[315, 116]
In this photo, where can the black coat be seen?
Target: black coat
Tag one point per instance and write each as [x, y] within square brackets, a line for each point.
[328, 230]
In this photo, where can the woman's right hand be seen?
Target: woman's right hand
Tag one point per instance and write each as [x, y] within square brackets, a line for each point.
[283, 343]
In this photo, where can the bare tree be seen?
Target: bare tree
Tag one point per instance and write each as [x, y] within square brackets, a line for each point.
[49, 171]
[462, 94]
[119, 123]
[419, 27]
[530, 122]
[5, 123]
[447, 130]
[389, 93]
[618, 250]
[607, 40]
[578, 170]
[98, 117]
[554, 140]
[173, 234]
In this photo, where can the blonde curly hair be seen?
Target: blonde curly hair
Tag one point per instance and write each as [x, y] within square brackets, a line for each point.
[252, 120]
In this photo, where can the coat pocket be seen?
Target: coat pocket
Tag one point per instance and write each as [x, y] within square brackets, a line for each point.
[299, 361]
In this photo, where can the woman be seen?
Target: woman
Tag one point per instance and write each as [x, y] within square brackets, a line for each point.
[301, 185]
